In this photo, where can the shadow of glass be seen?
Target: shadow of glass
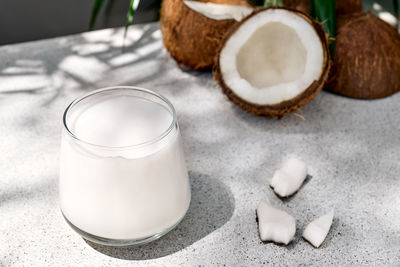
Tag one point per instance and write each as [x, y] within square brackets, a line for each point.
[212, 205]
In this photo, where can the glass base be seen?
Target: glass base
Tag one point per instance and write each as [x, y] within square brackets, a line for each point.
[118, 242]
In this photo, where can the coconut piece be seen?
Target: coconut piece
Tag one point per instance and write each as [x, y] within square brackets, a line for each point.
[192, 32]
[367, 58]
[288, 179]
[275, 225]
[219, 11]
[273, 62]
[317, 230]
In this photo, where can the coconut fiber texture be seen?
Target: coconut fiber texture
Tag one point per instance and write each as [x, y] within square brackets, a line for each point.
[191, 38]
[367, 58]
[285, 107]
[347, 7]
[301, 5]
[343, 7]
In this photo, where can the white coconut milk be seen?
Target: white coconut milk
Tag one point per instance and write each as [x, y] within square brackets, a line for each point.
[130, 192]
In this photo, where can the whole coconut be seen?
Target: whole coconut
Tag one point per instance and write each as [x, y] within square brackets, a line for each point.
[191, 38]
[367, 58]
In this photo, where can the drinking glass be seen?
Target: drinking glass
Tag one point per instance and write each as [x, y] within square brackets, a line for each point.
[123, 179]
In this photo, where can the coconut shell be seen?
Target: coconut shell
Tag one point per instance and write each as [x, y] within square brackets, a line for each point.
[343, 7]
[285, 107]
[347, 7]
[367, 58]
[191, 38]
[300, 5]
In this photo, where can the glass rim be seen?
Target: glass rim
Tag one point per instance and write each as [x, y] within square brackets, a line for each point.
[112, 88]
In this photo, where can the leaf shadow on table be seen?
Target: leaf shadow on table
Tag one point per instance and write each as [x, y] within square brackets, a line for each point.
[84, 61]
[44, 190]
[212, 205]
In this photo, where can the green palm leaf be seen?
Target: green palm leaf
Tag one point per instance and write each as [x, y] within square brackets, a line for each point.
[268, 3]
[325, 12]
[95, 11]
[129, 16]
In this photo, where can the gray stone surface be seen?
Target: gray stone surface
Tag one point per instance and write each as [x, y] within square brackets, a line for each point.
[352, 148]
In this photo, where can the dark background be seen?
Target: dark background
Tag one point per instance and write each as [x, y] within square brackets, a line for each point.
[27, 20]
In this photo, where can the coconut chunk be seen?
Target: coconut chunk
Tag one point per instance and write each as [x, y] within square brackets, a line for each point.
[288, 179]
[275, 225]
[219, 11]
[317, 230]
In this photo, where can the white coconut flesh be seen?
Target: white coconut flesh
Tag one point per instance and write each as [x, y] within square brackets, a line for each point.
[219, 11]
[274, 56]
[317, 230]
[275, 225]
[288, 179]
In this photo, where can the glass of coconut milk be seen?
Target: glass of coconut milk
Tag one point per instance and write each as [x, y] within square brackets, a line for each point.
[123, 179]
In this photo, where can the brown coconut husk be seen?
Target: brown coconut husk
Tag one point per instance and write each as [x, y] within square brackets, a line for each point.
[367, 58]
[191, 38]
[347, 7]
[226, 2]
[285, 107]
[300, 5]
[343, 7]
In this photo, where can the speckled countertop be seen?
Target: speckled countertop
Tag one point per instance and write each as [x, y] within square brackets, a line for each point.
[352, 148]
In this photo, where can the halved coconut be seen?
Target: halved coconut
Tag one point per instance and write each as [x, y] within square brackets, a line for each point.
[273, 62]
[193, 30]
